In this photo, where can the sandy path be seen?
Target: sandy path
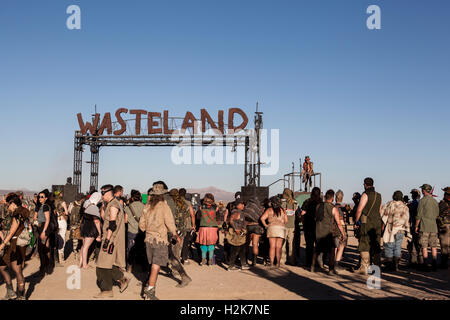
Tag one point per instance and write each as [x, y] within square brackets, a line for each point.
[215, 283]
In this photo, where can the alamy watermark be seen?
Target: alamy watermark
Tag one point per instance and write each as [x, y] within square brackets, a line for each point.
[224, 149]
[73, 282]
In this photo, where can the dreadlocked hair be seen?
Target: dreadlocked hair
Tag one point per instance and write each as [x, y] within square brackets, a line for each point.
[179, 201]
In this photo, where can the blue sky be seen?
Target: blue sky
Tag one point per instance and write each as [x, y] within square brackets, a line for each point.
[360, 102]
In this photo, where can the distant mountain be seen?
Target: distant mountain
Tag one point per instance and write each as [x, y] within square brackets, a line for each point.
[26, 192]
[218, 193]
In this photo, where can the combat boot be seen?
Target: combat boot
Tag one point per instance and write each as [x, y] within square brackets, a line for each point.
[123, 284]
[150, 294]
[185, 280]
[254, 261]
[444, 261]
[388, 264]
[320, 260]
[10, 294]
[365, 258]
[434, 265]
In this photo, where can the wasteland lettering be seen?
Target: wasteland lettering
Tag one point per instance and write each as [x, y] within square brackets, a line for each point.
[98, 127]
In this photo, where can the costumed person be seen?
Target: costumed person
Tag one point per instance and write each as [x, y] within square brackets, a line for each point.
[307, 172]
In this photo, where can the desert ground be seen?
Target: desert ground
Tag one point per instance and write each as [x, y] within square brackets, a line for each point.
[258, 283]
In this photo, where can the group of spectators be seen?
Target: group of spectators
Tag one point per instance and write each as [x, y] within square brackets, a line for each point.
[171, 228]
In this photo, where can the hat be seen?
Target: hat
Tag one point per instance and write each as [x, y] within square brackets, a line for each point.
[158, 188]
[415, 191]
[356, 195]
[95, 198]
[426, 187]
[446, 190]
[57, 193]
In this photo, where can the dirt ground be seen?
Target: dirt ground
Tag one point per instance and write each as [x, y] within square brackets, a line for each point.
[258, 283]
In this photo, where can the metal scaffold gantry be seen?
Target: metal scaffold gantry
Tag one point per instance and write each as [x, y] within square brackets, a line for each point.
[248, 138]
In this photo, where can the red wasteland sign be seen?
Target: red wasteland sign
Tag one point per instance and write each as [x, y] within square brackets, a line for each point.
[159, 127]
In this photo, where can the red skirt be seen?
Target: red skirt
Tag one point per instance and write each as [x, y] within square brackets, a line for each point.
[207, 236]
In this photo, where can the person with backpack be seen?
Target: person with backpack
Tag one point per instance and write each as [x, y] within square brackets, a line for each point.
[90, 227]
[13, 252]
[44, 219]
[133, 212]
[326, 215]
[207, 233]
[75, 222]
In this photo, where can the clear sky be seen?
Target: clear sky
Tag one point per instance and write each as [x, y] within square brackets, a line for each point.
[360, 102]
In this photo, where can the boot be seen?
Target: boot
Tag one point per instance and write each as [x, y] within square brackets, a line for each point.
[254, 261]
[320, 260]
[365, 258]
[203, 262]
[60, 261]
[396, 262]
[434, 265]
[149, 294]
[389, 264]
[123, 284]
[21, 295]
[104, 294]
[444, 261]
[10, 294]
[185, 280]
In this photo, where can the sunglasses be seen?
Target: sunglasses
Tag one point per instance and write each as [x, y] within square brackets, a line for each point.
[42, 197]
[106, 191]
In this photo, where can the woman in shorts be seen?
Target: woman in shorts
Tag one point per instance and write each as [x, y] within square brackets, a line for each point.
[276, 229]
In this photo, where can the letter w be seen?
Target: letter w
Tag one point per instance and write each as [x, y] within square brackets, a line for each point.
[85, 127]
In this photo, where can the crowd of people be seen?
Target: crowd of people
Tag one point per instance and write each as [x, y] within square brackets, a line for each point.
[172, 228]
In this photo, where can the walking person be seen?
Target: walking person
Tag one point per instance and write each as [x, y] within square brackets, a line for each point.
[75, 224]
[61, 212]
[90, 228]
[111, 259]
[159, 187]
[426, 226]
[157, 221]
[276, 229]
[290, 205]
[42, 219]
[14, 254]
[340, 238]
[308, 214]
[253, 212]
[237, 237]
[191, 226]
[395, 217]
[326, 215]
[207, 233]
[415, 252]
[133, 212]
[369, 214]
[182, 218]
[444, 227]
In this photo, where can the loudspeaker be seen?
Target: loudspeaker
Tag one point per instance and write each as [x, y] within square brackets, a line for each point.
[252, 191]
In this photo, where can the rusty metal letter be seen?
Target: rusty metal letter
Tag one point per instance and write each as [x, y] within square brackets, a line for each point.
[123, 125]
[189, 121]
[106, 124]
[152, 123]
[166, 123]
[138, 114]
[85, 127]
[231, 113]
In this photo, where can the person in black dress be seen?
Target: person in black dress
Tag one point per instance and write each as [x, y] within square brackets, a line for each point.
[90, 229]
